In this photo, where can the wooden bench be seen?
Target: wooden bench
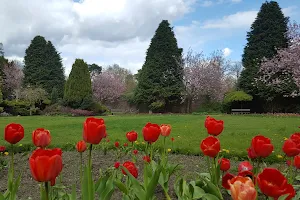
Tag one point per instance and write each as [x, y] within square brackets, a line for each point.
[240, 111]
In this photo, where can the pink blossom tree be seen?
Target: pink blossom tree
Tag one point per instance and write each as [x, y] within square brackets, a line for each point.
[204, 77]
[280, 75]
[13, 77]
[107, 87]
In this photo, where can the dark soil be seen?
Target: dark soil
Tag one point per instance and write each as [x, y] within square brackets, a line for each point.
[30, 188]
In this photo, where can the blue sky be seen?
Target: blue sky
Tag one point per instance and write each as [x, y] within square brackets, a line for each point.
[119, 31]
[227, 36]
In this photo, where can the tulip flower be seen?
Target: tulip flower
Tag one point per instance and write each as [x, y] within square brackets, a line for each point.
[165, 130]
[45, 166]
[245, 166]
[261, 146]
[151, 132]
[13, 133]
[210, 146]
[296, 138]
[147, 159]
[227, 177]
[242, 188]
[2, 149]
[117, 165]
[81, 146]
[290, 148]
[213, 126]
[132, 136]
[117, 144]
[224, 164]
[135, 152]
[41, 137]
[273, 183]
[131, 168]
[94, 130]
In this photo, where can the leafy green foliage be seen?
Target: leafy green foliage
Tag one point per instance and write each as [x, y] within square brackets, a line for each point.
[267, 33]
[43, 66]
[78, 85]
[161, 77]
[54, 96]
[237, 96]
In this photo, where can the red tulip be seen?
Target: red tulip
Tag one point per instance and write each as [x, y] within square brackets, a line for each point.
[172, 139]
[117, 144]
[242, 188]
[151, 132]
[147, 159]
[93, 130]
[41, 137]
[131, 168]
[290, 148]
[2, 148]
[245, 166]
[224, 164]
[225, 180]
[81, 146]
[132, 136]
[13, 133]
[135, 152]
[210, 146]
[117, 165]
[125, 145]
[261, 146]
[251, 153]
[288, 162]
[206, 121]
[165, 130]
[273, 184]
[213, 126]
[45, 164]
[297, 161]
[246, 174]
[296, 138]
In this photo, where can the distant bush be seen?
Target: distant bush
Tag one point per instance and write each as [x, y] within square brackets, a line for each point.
[210, 107]
[16, 107]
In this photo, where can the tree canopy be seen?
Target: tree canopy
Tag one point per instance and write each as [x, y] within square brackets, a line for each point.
[160, 81]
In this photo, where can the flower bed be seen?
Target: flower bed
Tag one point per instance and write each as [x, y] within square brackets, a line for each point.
[253, 178]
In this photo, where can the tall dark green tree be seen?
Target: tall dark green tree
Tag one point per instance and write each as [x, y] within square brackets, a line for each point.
[43, 66]
[78, 85]
[267, 33]
[56, 77]
[160, 81]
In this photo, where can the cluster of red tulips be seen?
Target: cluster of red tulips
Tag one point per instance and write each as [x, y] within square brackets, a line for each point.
[269, 181]
[46, 164]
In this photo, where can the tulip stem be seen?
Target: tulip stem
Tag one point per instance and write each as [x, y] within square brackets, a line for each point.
[80, 167]
[47, 190]
[291, 172]
[151, 151]
[90, 156]
[12, 160]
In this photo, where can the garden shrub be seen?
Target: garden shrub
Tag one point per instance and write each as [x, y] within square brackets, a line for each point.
[16, 107]
[210, 107]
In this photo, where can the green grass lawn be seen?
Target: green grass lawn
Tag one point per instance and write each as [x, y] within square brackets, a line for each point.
[188, 130]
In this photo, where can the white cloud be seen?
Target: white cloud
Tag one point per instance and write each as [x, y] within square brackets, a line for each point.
[237, 20]
[102, 32]
[242, 19]
[226, 52]
[209, 3]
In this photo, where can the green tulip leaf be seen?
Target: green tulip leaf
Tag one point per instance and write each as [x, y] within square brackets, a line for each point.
[121, 186]
[283, 197]
[210, 197]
